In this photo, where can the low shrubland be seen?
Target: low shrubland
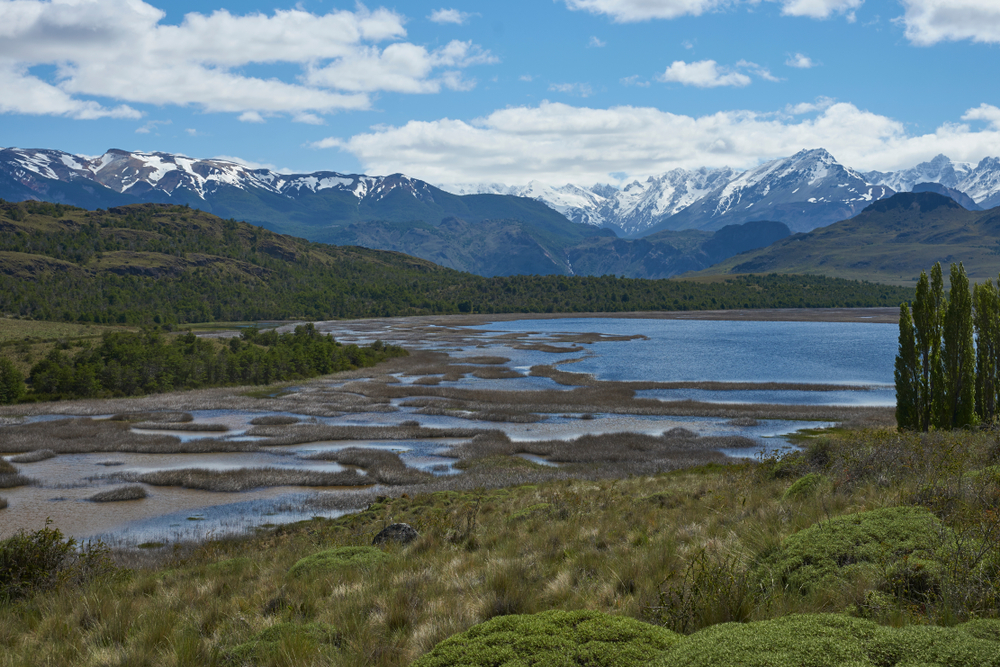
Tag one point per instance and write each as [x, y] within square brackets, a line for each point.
[885, 554]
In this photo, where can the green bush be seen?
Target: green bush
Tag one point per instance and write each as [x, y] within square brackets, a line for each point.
[43, 560]
[12, 388]
[334, 559]
[553, 639]
[894, 546]
[804, 487]
[831, 640]
[294, 643]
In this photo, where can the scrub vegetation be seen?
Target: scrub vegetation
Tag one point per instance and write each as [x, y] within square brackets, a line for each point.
[885, 553]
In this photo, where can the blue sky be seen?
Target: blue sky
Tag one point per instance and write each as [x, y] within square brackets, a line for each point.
[558, 91]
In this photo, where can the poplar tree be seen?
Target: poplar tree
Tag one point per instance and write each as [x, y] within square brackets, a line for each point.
[927, 315]
[907, 374]
[986, 321]
[955, 393]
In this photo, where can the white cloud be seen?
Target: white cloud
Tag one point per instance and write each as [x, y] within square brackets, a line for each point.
[820, 104]
[634, 80]
[596, 43]
[703, 74]
[151, 126]
[932, 21]
[403, 68]
[449, 16]
[526, 77]
[557, 143]
[121, 50]
[820, 9]
[626, 11]
[757, 70]
[251, 117]
[800, 60]
[985, 112]
[578, 89]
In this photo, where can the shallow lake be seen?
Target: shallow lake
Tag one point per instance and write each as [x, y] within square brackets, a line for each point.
[855, 354]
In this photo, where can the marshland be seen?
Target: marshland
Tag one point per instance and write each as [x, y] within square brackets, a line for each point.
[604, 464]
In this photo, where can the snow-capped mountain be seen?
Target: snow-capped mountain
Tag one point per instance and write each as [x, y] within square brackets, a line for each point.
[630, 210]
[980, 181]
[176, 176]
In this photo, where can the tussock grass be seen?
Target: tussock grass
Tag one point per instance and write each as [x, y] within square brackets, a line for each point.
[486, 360]
[3, 503]
[132, 492]
[317, 433]
[685, 550]
[34, 457]
[10, 477]
[245, 479]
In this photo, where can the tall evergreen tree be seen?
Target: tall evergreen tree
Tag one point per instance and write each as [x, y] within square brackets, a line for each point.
[986, 320]
[955, 394]
[907, 374]
[927, 315]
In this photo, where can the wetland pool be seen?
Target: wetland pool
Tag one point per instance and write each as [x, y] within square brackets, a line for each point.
[857, 357]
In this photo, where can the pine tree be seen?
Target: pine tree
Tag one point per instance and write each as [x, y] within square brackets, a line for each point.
[907, 374]
[986, 302]
[955, 395]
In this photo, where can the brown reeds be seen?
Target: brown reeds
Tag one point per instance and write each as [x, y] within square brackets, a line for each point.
[34, 457]
[131, 492]
[318, 432]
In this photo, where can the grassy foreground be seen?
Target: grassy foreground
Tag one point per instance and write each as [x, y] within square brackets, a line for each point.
[882, 546]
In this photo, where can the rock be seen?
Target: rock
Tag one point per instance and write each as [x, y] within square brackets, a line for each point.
[403, 533]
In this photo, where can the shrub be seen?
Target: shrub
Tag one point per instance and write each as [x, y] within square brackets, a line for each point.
[285, 643]
[12, 387]
[557, 638]
[334, 559]
[893, 545]
[804, 487]
[43, 560]
[831, 640]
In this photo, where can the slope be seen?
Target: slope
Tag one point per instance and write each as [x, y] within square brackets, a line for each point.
[891, 241]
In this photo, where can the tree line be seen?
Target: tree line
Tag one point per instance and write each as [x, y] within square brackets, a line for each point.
[147, 362]
[948, 366]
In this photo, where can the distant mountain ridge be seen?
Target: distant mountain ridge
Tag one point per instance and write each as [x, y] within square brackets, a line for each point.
[807, 190]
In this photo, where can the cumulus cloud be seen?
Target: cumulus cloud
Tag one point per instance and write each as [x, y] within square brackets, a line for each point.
[449, 16]
[800, 60]
[985, 112]
[596, 43]
[931, 21]
[122, 50]
[557, 143]
[703, 74]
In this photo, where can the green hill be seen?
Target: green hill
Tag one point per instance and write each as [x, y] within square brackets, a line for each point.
[171, 264]
[891, 242]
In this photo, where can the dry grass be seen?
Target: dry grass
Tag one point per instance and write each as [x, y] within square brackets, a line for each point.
[317, 433]
[34, 457]
[3, 503]
[486, 360]
[131, 492]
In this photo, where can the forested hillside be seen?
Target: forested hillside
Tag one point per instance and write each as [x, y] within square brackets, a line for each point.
[153, 263]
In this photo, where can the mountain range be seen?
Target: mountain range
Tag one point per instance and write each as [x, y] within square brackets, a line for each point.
[683, 220]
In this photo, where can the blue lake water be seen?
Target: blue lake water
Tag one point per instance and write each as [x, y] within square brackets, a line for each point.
[847, 353]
